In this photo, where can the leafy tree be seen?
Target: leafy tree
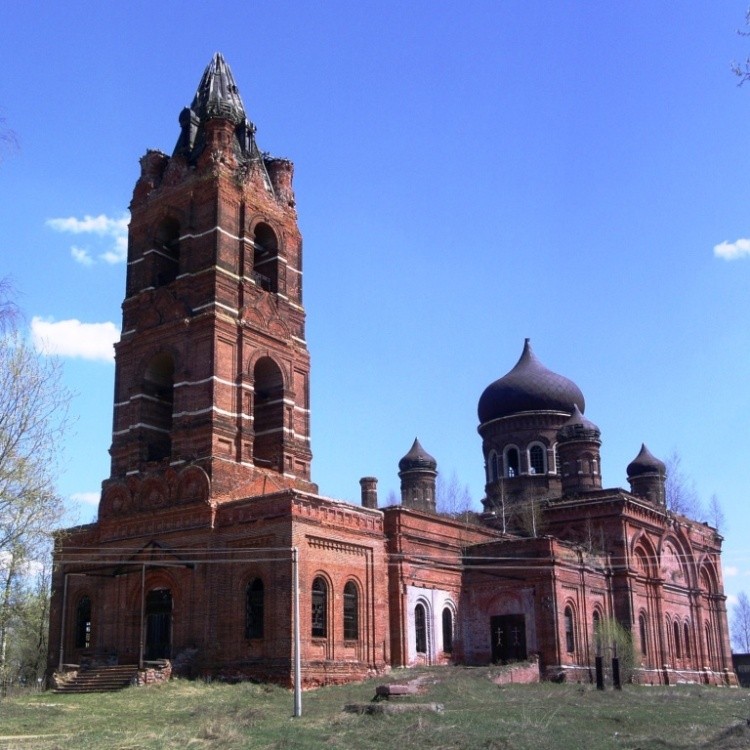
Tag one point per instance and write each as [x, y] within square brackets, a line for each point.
[33, 418]
[740, 624]
[612, 639]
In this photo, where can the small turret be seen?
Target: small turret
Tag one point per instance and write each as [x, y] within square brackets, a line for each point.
[418, 473]
[578, 446]
[647, 476]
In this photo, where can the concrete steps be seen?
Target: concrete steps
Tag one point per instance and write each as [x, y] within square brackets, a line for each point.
[99, 679]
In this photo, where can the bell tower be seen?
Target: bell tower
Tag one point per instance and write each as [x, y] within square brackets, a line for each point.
[212, 369]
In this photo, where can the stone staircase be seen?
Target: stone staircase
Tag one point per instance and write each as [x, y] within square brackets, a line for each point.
[98, 679]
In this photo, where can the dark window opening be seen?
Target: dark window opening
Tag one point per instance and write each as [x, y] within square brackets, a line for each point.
[166, 253]
[420, 628]
[570, 641]
[447, 630]
[254, 609]
[319, 608]
[268, 414]
[642, 629]
[351, 612]
[266, 258]
[686, 640]
[677, 650]
[536, 460]
[83, 623]
[511, 462]
[156, 407]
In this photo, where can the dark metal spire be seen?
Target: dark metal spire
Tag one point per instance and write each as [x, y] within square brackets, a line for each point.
[217, 97]
[217, 94]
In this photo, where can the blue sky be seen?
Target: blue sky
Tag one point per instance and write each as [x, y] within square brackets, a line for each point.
[467, 175]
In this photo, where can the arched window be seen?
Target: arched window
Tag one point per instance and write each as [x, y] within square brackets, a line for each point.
[268, 414]
[643, 634]
[537, 459]
[710, 650]
[319, 608]
[686, 640]
[351, 612]
[420, 628]
[157, 407]
[166, 252]
[266, 258]
[511, 462]
[254, 609]
[83, 623]
[570, 641]
[447, 630]
[676, 629]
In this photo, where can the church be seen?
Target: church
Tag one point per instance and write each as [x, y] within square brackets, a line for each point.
[214, 552]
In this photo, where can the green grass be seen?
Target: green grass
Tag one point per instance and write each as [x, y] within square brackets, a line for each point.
[478, 715]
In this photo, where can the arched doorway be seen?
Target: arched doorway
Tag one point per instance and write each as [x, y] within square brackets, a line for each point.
[158, 624]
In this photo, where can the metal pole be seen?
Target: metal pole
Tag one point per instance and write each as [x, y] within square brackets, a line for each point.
[62, 622]
[143, 596]
[297, 654]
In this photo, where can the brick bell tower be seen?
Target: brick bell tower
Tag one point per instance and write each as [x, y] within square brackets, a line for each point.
[212, 370]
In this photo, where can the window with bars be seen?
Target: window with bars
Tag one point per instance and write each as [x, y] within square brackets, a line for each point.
[319, 608]
[351, 612]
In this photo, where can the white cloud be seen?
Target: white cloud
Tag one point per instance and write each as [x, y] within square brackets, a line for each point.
[71, 338]
[86, 498]
[732, 250]
[730, 571]
[731, 600]
[81, 256]
[114, 231]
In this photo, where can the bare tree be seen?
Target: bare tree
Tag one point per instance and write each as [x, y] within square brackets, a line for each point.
[33, 418]
[8, 139]
[740, 625]
[681, 495]
[742, 70]
[716, 516]
[453, 497]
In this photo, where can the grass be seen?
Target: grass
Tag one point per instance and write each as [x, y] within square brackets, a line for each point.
[478, 715]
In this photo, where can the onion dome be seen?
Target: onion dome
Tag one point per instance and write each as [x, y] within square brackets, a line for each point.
[417, 458]
[578, 428]
[529, 386]
[645, 463]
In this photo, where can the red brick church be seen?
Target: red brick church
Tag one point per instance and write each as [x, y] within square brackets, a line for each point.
[191, 558]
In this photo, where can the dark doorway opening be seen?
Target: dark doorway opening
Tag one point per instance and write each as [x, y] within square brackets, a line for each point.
[158, 624]
[508, 633]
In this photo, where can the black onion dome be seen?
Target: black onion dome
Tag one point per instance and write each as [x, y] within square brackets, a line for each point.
[578, 427]
[529, 386]
[417, 458]
[645, 463]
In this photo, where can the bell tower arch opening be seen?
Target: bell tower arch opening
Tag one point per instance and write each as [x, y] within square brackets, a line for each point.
[266, 258]
[268, 414]
[158, 405]
[166, 252]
